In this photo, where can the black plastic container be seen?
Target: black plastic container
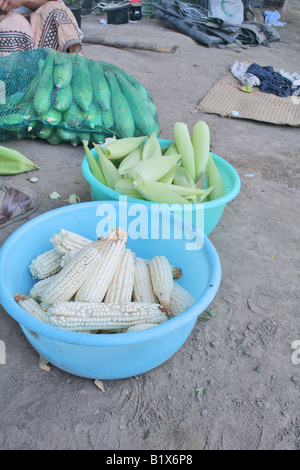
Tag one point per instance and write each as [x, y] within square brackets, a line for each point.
[117, 15]
[135, 13]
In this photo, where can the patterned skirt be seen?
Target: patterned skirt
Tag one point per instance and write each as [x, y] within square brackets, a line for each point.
[52, 25]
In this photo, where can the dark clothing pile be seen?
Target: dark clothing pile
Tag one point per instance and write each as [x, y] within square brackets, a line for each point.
[271, 81]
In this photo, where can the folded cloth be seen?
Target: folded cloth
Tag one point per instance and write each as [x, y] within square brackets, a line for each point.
[239, 71]
[254, 33]
[271, 81]
[294, 77]
[272, 17]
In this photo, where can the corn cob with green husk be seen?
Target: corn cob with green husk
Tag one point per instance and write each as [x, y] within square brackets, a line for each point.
[46, 264]
[155, 168]
[94, 288]
[123, 119]
[125, 186]
[183, 178]
[142, 116]
[85, 316]
[180, 300]
[92, 117]
[120, 148]
[31, 306]
[140, 89]
[82, 84]
[98, 137]
[142, 286]
[158, 192]
[12, 162]
[101, 90]
[52, 117]
[130, 161]
[54, 139]
[72, 276]
[42, 96]
[94, 166]
[121, 287]
[67, 135]
[169, 176]
[185, 147]
[63, 99]
[213, 178]
[161, 279]
[171, 149]
[63, 71]
[108, 169]
[44, 132]
[11, 120]
[201, 143]
[152, 147]
[73, 117]
[107, 118]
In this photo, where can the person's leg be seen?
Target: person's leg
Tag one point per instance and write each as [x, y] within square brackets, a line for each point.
[16, 205]
[55, 26]
[15, 34]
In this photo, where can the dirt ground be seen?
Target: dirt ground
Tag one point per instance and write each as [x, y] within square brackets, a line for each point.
[242, 358]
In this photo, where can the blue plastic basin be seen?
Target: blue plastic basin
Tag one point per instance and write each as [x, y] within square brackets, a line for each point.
[106, 356]
[205, 216]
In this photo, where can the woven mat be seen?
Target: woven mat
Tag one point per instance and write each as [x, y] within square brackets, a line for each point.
[226, 96]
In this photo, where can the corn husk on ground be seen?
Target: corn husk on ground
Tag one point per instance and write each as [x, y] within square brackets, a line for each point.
[101, 286]
[184, 173]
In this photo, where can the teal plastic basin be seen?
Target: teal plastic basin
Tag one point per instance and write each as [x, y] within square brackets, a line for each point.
[205, 216]
[106, 356]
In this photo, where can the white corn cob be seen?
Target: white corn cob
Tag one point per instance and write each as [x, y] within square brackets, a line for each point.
[46, 264]
[141, 326]
[121, 287]
[39, 287]
[31, 306]
[142, 286]
[180, 300]
[96, 284]
[66, 241]
[85, 316]
[66, 258]
[176, 272]
[73, 275]
[161, 278]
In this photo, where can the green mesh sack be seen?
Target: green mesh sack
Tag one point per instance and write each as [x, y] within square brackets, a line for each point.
[62, 97]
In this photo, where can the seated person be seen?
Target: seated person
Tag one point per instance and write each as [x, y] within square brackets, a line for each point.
[35, 24]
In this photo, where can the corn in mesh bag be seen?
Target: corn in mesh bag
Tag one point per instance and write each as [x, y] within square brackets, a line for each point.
[63, 97]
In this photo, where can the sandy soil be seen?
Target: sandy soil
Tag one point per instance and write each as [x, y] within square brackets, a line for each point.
[242, 358]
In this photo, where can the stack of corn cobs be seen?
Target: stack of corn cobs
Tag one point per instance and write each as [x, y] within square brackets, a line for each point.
[102, 286]
[72, 98]
[183, 173]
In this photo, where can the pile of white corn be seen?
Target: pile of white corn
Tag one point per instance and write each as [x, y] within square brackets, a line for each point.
[102, 286]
